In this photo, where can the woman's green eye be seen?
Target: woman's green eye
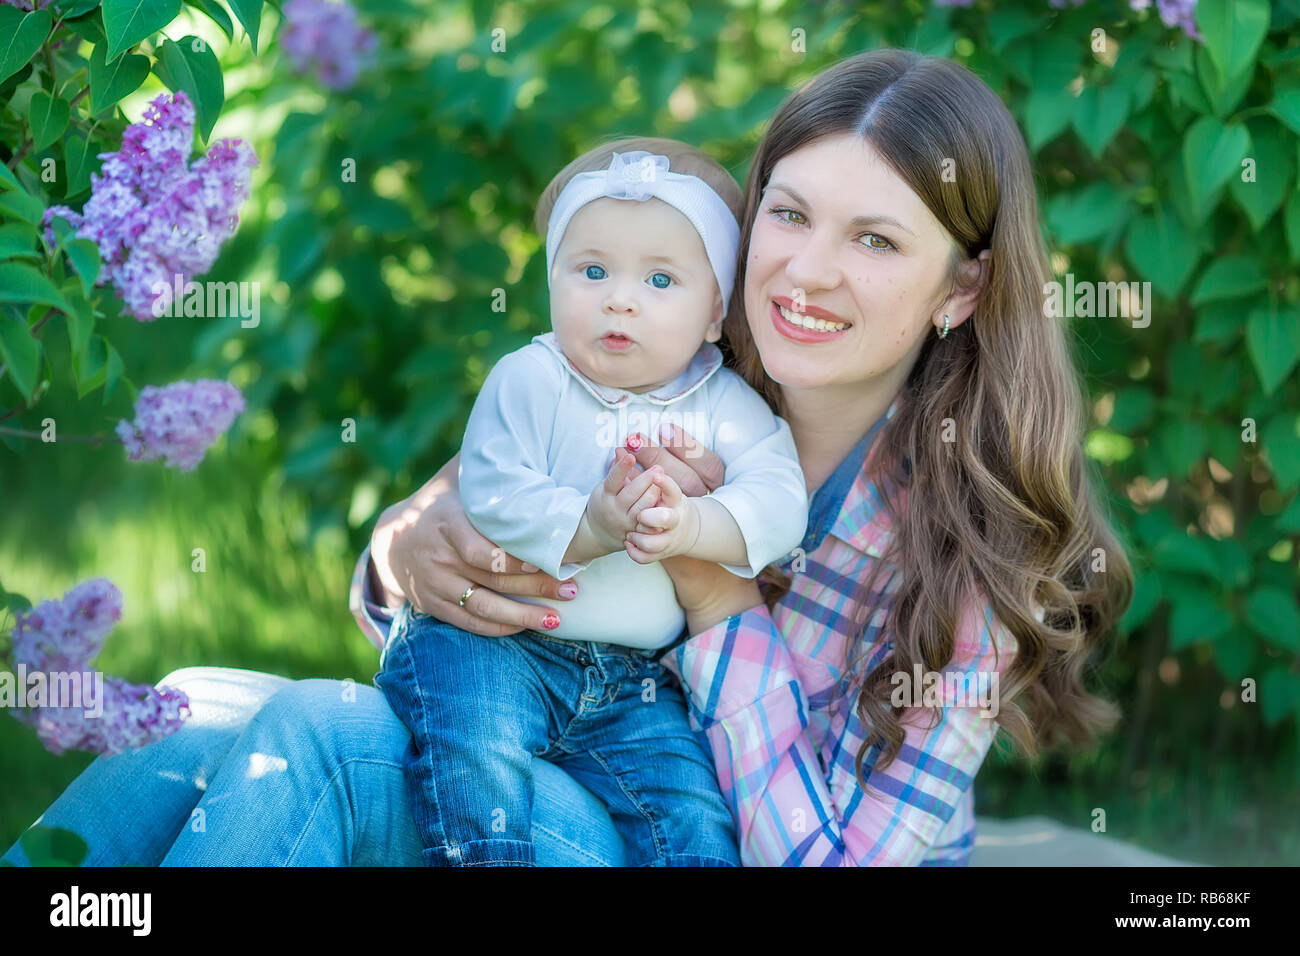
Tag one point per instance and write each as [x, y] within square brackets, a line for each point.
[660, 280]
[595, 272]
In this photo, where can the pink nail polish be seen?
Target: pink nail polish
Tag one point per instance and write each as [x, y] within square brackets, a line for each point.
[634, 442]
[568, 590]
[551, 622]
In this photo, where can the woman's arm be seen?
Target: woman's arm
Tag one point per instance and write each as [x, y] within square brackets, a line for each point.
[424, 550]
[745, 694]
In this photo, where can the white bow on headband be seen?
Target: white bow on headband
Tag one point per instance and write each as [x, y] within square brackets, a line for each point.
[639, 176]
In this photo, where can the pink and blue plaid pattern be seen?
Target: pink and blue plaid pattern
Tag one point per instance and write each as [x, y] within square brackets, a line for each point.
[762, 689]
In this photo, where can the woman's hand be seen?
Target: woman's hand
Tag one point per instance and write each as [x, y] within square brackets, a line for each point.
[424, 550]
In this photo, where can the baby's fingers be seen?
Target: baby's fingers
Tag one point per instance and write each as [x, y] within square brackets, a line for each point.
[661, 519]
[652, 545]
[636, 488]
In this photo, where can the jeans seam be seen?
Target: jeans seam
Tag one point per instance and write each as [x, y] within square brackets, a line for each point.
[635, 799]
[329, 784]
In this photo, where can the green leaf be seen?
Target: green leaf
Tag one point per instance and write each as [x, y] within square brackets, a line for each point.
[249, 13]
[7, 178]
[1184, 444]
[1212, 153]
[1100, 114]
[1233, 31]
[1291, 224]
[81, 322]
[1219, 324]
[1271, 613]
[18, 241]
[1279, 694]
[110, 82]
[1229, 278]
[1185, 554]
[1286, 107]
[21, 35]
[21, 352]
[17, 204]
[1273, 340]
[217, 14]
[91, 367]
[78, 159]
[127, 22]
[84, 256]
[1281, 441]
[1087, 214]
[1163, 251]
[1146, 597]
[1197, 617]
[1271, 171]
[1223, 93]
[192, 66]
[1132, 409]
[1234, 655]
[1047, 114]
[22, 283]
[112, 371]
[49, 118]
[53, 846]
[1011, 23]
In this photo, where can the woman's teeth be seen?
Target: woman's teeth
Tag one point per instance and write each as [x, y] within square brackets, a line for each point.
[807, 322]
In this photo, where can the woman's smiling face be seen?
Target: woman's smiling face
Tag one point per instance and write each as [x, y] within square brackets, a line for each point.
[840, 238]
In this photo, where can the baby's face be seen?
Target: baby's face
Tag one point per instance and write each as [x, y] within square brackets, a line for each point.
[632, 293]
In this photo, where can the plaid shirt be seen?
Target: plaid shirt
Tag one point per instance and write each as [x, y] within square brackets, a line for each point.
[762, 689]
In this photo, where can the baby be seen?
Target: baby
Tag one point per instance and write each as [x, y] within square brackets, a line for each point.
[641, 245]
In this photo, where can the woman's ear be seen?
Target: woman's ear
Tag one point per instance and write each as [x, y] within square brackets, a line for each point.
[972, 278]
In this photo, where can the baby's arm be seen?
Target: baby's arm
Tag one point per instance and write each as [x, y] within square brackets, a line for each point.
[505, 485]
[764, 500]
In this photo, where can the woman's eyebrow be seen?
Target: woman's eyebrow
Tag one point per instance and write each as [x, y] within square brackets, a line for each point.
[854, 223]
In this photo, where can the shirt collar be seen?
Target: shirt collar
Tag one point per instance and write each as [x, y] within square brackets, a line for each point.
[706, 361]
[847, 505]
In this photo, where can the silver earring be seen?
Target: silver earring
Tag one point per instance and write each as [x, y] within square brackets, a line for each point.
[944, 333]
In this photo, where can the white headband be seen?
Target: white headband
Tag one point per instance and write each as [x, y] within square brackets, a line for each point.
[641, 175]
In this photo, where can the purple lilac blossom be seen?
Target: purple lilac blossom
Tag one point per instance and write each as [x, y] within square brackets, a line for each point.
[178, 422]
[1173, 13]
[134, 715]
[152, 214]
[325, 39]
[64, 635]
[61, 637]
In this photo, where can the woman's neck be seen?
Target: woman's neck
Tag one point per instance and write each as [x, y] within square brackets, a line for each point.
[827, 422]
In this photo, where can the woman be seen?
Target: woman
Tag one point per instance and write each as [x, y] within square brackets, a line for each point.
[954, 540]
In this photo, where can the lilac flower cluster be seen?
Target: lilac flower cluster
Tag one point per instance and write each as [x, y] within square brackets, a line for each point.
[153, 215]
[324, 38]
[63, 636]
[1174, 13]
[28, 5]
[178, 422]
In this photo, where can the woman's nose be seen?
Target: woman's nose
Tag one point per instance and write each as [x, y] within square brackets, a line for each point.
[812, 266]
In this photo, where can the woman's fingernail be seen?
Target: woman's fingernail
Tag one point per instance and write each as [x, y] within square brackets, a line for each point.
[530, 568]
[635, 441]
[551, 622]
[665, 433]
[568, 590]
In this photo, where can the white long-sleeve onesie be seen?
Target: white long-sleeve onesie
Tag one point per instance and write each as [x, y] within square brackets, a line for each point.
[540, 437]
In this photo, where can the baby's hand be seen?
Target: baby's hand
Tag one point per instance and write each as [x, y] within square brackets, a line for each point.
[615, 503]
[667, 529]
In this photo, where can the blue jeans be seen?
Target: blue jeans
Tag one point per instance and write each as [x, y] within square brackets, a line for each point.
[272, 772]
[480, 709]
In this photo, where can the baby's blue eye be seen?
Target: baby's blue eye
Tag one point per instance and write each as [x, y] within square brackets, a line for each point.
[655, 280]
[595, 272]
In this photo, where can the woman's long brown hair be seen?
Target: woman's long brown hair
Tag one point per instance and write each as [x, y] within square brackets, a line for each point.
[1008, 511]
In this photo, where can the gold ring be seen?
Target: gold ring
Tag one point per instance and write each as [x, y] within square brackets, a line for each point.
[468, 591]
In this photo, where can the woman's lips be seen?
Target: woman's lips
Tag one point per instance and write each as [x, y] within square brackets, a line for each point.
[797, 333]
